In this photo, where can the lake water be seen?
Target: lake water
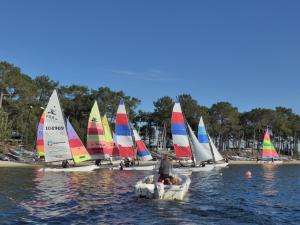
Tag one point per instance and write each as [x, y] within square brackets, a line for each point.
[271, 196]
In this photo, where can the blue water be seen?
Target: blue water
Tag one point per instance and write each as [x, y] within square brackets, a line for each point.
[271, 196]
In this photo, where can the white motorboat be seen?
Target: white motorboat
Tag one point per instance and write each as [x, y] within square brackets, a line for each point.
[149, 188]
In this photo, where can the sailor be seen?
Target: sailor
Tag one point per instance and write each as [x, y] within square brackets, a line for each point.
[98, 162]
[127, 162]
[165, 170]
[65, 164]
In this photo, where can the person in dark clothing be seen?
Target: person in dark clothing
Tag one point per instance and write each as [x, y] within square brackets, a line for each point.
[165, 170]
[98, 162]
[65, 164]
[127, 162]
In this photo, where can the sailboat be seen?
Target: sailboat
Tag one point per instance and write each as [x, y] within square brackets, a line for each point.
[125, 142]
[61, 144]
[208, 145]
[186, 144]
[268, 153]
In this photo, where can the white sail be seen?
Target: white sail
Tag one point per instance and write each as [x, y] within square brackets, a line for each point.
[217, 155]
[198, 152]
[55, 134]
[203, 138]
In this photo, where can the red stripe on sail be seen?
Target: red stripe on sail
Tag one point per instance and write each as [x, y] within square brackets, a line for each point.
[75, 143]
[95, 151]
[126, 152]
[140, 145]
[121, 119]
[40, 142]
[183, 152]
[177, 118]
[95, 131]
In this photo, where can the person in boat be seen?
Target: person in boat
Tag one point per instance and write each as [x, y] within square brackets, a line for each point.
[98, 162]
[121, 165]
[226, 160]
[127, 162]
[165, 170]
[65, 164]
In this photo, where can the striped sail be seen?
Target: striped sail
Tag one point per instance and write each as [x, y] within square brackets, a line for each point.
[55, 135]
[142, 151]
[203, 139]
[95, 134]
[39, 137]
[108, 144]
[123, 133]
[180, 138]
[78, 150]
[268, 151]
[198, 152]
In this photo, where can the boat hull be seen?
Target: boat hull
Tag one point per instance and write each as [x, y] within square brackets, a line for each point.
[70, 169]
[148, 188]
[193, 169]
[270, 162]
[140, 168]
[220, 165]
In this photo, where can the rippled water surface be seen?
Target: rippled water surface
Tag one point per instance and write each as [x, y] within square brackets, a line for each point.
[271, 196]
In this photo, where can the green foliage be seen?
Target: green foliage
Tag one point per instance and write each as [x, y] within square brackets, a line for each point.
[24, 99]
[5, 126]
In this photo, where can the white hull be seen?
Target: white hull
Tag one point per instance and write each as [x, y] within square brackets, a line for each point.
[148, 188]
[193, 169]
[221, 165]
[269, 162]
[71, 169]
[141, 168]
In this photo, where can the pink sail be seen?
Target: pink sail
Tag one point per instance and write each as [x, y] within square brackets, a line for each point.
[40, 149]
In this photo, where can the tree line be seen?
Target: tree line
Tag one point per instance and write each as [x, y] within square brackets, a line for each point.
[23, 99]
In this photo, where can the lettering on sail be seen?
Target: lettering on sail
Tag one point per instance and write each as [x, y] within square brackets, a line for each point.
[55, 128]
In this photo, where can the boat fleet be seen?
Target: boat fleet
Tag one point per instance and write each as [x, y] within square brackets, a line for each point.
[57, 141]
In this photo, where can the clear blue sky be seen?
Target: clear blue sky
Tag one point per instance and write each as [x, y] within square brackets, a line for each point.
[244, 52]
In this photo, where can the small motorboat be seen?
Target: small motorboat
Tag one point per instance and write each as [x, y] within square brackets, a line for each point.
[150, 188]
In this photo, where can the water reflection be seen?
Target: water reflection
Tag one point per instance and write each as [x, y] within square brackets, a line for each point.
[269, 176]
[59, 194]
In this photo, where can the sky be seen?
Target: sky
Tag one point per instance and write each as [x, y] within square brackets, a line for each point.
[243, 52]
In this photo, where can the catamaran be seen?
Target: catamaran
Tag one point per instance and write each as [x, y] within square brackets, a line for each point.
[60, 140]
[208, 146]
[125, 143]
[268, 153]
[186, 145]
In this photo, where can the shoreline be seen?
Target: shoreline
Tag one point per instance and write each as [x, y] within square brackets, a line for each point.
[9, 164]
[253, 162]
